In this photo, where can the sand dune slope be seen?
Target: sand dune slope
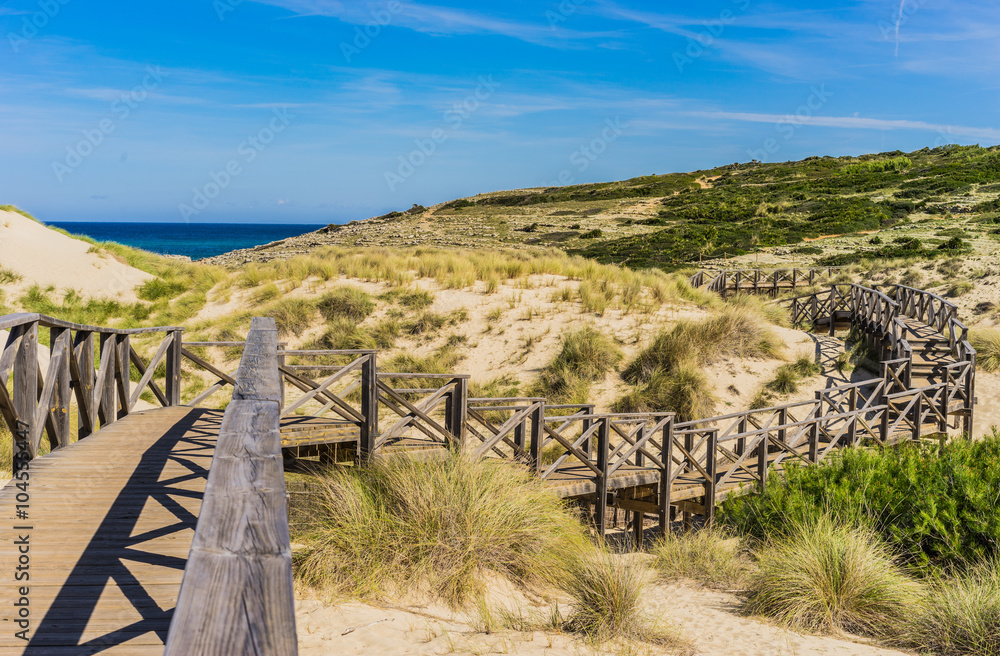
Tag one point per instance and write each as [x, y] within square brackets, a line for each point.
[46, 257]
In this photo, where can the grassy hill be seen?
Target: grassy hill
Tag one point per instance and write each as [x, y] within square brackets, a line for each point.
[670, 221]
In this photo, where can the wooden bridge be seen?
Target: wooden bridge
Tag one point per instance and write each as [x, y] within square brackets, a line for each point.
[165, 530]
[772, 282]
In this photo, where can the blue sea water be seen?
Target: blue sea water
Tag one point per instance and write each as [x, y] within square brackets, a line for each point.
[196, 240]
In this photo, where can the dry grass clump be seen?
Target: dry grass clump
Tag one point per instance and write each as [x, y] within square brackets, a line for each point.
[684, 390]
[343, 333]
[441, 526]
[607, 592]
[832, 578]
[711, 557]
[587, 355]
[292, 315]
[961, 616]
[986, 341]
[346, 302]
[760, 305]
[413, 299]
[733, 331]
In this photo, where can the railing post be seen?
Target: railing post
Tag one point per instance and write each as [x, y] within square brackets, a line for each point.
[58, 411]
[109, 406]
[918, 410]
[369, 408]
[123, 373]
[970, 397]
[173, 364]
[537, 431]
[25, 393]
[711, 466]
[603, 441]
[457, 410]
[588, 445]
[814, 437]
[667, 458]
[852, 406]
[83, 356]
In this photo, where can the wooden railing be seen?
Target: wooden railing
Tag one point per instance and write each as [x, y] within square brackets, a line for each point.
[236, 596]
[759, 281]
[94, 379]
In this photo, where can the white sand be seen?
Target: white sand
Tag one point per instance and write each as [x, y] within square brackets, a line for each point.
[49, 258]
[706, 618]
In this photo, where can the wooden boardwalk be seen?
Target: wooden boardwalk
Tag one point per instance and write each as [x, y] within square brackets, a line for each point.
[166, 531]
[111, 519]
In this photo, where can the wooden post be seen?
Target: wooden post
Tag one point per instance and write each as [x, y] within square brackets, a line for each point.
[459, 410]
[173, 363]
[852, 406]
[520, 434]
[689, 447]
[368, 430]
[603, 441]
[970, 397]
[666, 457]
[109, 405]
[711, 466]
[918, 410]
[58, 410]
[637, 515]
[814, 439]
[83, 356]
[25, 393]
[123, 373]
[588, 446]
[537, 431]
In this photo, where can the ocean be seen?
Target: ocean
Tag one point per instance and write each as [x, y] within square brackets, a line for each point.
[196, 240]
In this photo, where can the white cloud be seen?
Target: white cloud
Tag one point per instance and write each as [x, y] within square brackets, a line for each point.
[858, 122]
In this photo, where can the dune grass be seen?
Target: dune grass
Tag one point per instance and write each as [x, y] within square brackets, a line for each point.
[607, 592]
[346, 302]
[832, 578]
[711, 557]
[586, 356]
[684, 390]
[442, 527]
[961, 616]
[986, 341]
[8, 276]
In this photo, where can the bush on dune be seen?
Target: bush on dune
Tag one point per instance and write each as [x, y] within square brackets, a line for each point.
[986, 341]
[709, 556]
[684, 390]
[346, 302]
[443, 526]
[831, 578]
[587, 355]
[934, 504]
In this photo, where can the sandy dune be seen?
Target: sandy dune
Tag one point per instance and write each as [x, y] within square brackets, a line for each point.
[46, 257]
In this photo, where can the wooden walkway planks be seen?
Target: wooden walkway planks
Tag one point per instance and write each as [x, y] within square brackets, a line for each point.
[112, 520]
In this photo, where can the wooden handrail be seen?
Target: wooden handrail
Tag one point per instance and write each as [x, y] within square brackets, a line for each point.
[236, 596]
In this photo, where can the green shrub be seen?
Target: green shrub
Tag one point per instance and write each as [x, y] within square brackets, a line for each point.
[292, 315]
[961, 616]
[934, 504]
[986, 341]
[413, 299]
[348, 302]
[425, 322]
[825, 577]
[344, 334]
[445, 525]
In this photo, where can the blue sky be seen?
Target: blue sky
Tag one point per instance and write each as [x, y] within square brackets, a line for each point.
[318, 111]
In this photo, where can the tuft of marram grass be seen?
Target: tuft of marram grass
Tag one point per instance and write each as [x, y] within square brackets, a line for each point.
[986, 341]
[832, 578]
[711, 557]
[346, 302]
[733, 331]
[440, 526]
[684, 390]
[961, 616]
[607, 592]
[586, 356]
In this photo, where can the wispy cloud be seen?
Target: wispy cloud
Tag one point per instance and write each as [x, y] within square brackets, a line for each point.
[858, 122]
[443, 21]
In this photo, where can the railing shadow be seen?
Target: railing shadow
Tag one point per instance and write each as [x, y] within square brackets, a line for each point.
[156, 482]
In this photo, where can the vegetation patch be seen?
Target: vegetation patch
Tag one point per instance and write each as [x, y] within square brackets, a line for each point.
[951, 522]
[986, 341]
[346, 302]
[443, 526]
[586, 356]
